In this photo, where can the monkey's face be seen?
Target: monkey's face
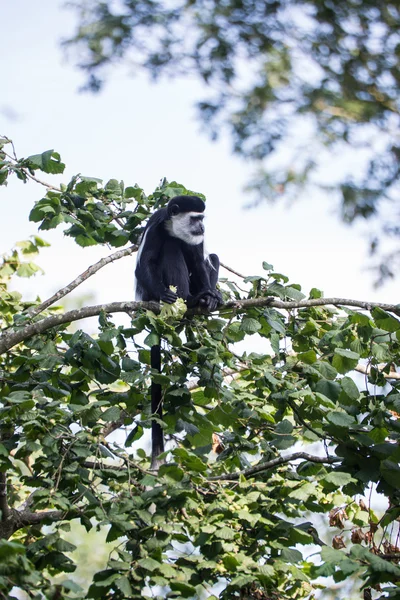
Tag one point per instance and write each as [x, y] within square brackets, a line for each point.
[188, 227]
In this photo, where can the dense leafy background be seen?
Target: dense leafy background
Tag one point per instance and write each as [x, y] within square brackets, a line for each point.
[273, 456]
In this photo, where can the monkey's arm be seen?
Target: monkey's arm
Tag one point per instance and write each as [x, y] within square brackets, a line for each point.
[206, 294]
[148, 270]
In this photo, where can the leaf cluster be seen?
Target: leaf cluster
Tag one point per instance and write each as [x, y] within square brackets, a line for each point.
[235, 510]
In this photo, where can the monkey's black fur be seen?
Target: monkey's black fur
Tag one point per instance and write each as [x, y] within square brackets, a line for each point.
[165, 259]
[172, 253]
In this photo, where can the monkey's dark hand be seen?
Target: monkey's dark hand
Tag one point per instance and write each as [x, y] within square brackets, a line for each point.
[209, 299]
[168, 296]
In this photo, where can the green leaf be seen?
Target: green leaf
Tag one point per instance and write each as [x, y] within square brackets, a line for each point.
[72, 586]
[350, 388]
[124, 585]
[267, 267]
[111, 414]
[285, 426]
[291, 555]
[149, 564]
[191, 461]
[275, 322]
[153, 339]
[304, 491]
[49, 162]
[341, 419]
[172, 471]
[27, 269]
[113, 186]
[384, 320]
[133, 192]
[225, 533]
[391, 473]
[128, 364]
[333, 556]
[294, 294]
[309, 357]
[186, 590]
[337, 479]
[326, 370]
[345, 360]
[250, 326]
[9, 548]
[330, 389]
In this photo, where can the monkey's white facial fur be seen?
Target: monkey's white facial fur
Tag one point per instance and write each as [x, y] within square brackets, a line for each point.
[187, 227]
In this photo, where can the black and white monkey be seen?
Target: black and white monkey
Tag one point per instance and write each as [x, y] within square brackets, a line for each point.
[171, 253]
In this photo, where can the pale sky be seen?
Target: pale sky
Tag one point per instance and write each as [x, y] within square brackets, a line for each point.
[140, 132]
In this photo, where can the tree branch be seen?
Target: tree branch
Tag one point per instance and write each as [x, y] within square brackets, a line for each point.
[287, 305]
[46, 185]
[275, 462]
[32, 312]
[17, 519]
[232, 270]
[12, 338]
[5, 509]
[366, 370]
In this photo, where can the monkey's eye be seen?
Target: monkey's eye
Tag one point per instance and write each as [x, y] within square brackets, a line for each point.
[197, 218]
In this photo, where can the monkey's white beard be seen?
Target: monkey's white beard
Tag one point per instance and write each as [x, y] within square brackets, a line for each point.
[179, 226]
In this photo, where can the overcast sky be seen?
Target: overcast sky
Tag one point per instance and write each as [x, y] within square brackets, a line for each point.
[140, 132]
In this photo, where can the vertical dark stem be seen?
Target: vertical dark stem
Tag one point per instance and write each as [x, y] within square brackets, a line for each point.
[157, 434]
[5, 509]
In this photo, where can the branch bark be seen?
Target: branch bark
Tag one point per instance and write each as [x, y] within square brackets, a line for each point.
[366, 370]
[275, 462]
[232, 270]
[11, 338]
[5, 509]
[17, 519]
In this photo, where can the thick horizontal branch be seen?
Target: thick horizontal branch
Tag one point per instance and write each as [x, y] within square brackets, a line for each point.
[80, 279]
[275, 462]
[17, 519]
[14, 337]
[287, 305]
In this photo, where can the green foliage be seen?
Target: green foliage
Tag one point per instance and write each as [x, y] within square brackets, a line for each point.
[328, 73]
[229, 514]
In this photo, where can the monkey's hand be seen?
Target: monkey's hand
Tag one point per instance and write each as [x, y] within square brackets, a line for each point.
[209, 299]
[168, 296]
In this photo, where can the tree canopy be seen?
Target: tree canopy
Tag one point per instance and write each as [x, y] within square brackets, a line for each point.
[274, 458]
[307, 90]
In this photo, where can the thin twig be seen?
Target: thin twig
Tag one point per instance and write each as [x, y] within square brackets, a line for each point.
[47, 185]
[80, 279]
[275, 462]
[303, 422]
[27, 173]
[232, 270]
